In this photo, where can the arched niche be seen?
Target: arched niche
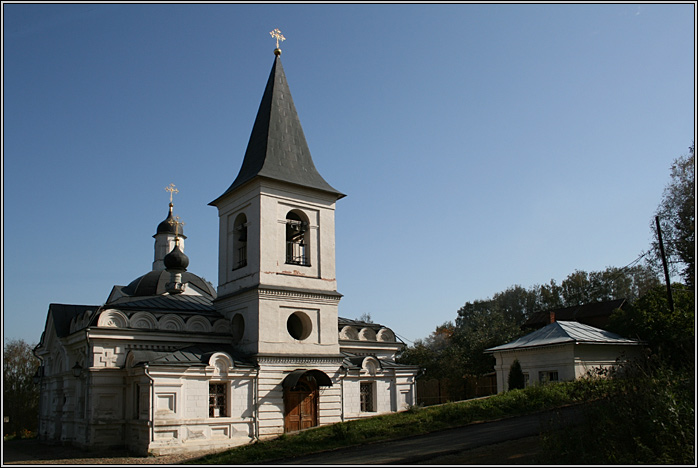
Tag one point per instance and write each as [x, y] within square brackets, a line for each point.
[220, 364]
[144, 320]
[171, 322]
[221, 326]
[112, 318]
[367, 334]
[370, 365]
[198, 324]
[349, 333]
[385, 335]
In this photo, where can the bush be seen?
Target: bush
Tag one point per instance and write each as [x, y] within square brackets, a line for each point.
[516, 376]
[641, 414]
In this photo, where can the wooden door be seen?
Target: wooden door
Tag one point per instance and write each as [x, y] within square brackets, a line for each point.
[300, 404]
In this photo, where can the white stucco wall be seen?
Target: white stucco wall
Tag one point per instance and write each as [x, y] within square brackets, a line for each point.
[570, 361]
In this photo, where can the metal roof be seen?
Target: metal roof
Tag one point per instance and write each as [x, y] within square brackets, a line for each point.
[562, 332]
[155, 282]
[342, 322]
[189, 355]
[62, 314]
[165, 303]
[277, 148]
[354, 361]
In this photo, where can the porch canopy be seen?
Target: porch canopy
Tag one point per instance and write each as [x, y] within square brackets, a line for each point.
[320, 377]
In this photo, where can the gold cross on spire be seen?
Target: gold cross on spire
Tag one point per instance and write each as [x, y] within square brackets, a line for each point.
[276, 34]
[171, 188]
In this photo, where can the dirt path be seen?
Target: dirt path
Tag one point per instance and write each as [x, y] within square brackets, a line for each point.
[31, 452]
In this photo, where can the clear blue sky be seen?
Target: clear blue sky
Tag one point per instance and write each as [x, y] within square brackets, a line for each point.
[481, 146]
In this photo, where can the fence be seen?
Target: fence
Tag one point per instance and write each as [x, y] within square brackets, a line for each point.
[436, 391]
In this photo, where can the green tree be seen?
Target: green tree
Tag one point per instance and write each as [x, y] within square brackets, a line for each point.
[676, 212]
[670, 335]
[516, 376]
[20, 394]
[481, 325]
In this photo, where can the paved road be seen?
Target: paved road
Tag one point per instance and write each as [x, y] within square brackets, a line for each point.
[422, 448]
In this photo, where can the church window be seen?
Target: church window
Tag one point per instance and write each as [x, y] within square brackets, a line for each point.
[299, 325]
[217, 400]
[367, 397]
[240, 242]
[297, 252]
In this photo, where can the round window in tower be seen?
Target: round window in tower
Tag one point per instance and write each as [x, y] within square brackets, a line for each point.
[299, 325]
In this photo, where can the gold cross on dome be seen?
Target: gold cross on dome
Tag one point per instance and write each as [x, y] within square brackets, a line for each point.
[177, 223]
[171, 188]
[276, 34]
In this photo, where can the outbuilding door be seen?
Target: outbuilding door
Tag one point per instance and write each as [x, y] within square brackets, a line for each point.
[300, 403]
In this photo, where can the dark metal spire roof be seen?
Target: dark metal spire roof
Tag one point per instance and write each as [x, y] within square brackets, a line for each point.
[277, 148]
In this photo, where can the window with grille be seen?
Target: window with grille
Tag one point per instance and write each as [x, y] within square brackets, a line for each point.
[217, 400]
[296, 240]
[367, 397]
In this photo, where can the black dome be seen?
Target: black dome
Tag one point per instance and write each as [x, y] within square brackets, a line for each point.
[168, 226]
[176, 260]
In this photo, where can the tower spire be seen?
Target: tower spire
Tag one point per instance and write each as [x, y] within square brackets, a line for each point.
[277, 148]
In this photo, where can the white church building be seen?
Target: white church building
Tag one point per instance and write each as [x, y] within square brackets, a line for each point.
[170, 364]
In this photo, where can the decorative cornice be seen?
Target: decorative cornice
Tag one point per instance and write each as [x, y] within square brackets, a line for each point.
[273, 292]
[299, 360]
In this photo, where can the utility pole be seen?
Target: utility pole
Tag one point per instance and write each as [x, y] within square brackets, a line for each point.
[666, 267]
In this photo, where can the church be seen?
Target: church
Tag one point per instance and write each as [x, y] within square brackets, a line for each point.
[171, 364]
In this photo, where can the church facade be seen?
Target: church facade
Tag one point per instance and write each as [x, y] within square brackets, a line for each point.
[171, 364]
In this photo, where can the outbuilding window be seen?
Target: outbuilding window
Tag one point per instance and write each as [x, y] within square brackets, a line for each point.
[547, 376]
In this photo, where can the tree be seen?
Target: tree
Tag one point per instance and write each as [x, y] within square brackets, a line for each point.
[481, 325]
[365, 317]
[20, 394]
[676, 212]
[516, 376]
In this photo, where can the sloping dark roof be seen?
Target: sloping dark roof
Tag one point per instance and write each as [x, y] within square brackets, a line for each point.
[354, 361]
[574, 313]
[166, 303]
[154, 283]
[564, 332]
[188, 355]
[62, 314]
[277, 148]
[342, 322]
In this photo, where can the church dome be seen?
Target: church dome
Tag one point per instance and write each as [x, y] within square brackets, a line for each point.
[169, 226]
[154, 283]
[176, 260]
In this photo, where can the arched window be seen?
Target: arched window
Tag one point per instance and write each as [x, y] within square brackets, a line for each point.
[240, 242]
[297, 251]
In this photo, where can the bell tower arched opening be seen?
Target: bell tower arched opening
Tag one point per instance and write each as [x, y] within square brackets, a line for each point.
[297, 239]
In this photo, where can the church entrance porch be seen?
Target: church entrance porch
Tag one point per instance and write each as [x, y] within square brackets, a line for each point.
[300, 403]
[301, 394]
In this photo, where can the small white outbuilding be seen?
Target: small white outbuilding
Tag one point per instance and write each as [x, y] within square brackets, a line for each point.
[561, 351]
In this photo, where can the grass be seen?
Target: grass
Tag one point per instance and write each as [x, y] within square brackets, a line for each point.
[414, 421]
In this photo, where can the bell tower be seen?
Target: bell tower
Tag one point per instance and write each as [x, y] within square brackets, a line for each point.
[276, 265]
